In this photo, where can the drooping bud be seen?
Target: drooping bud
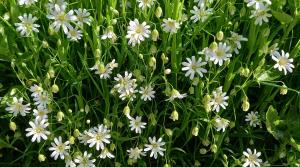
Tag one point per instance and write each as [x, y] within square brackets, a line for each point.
[12, 126]
[152, 63]
[158, 12]
[41, 157]
[174, 115]
[283, 90]
[245, 104]
[154, 35]
[54, 88]
[195, 131]
[60, 115]
[220, 35]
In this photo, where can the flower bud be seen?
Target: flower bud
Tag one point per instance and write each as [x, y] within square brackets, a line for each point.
[283, 90]
[152, 63]
[154, 35]
[167, 71]
[242, 12]
[60, 115]
[166, 165]
[206, 104]
[195, 81]
[12, 126]
[152, 118]
[231, 9]
[97, 54]
[213, 46]
[88, 121]
[195, 131]
[203, 151]
[41, 157]
[153, 49]
[126, 111]
[158, 12]
[205, 142]
[214, 148]
[45, 44]
[54, 88]
[220, 35]
[58, 42]
[245, 104]
[114, 21]
[169, 132]
[72, 139]
[51, 73]
[164, 58]
[174, 115]
[76, 133]
[197, 163]
[191, 90]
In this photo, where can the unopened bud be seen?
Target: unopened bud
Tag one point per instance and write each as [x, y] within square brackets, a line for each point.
[191, 90]
[41, 157]
[206, 104]
[205, 142]
[164, 58]
[152, 63]
[154, 35]
[166, 165]
[88, 121]
[114, 21]
[58, 42]
[45, 44]
[195, 131]
[72, 139]
[245, 105]
[203, 151]
[214, 148]
[213, 46]
[60, 115]
[153, 49]
[158, 12]
[174, 115]
[76, 133]
[169, 132]
[232, 9]
[220, 35]
[126, 111]
[167, 71]
[283, 90]
[54, 88]
[12, 126]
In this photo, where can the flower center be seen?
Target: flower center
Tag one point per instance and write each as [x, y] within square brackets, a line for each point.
[139, 29]
[194, 66]
[218, 99]
[61, 147]
[252, 158]
[19, 107]
[171, 24]
[39, 130]
[62, 17]
[220, 53]
[99, 137]
[155, 145]
[282, 61]
[28, 25]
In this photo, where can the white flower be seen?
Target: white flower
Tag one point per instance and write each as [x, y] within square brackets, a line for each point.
[74, 34]
[219, 99]
[27, 24]
[147, 93]
[61, 18]
[220, 54]
[137, 32]
[261, 15]
[109, 34]
[82, 16]
[43, 100]
[38, 130]
[17, 107]
[170, 25]
[221, 124]
[126, 86]
[192, 67]
[253, 118]
[85, 161]
[26, 2]
[145, 3]
[200, 13]
[69, 162]
[136, 124]
[59, 148]
[236, 39]
[136, 153]
[98, 136]
[52, 4]
[36, 90]
[175, 94]
[283, 62]
[40, 113]
[155, 147]
[252, 159]
[84, 137]
[105, 153]
[104, 71]
[258, 4]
